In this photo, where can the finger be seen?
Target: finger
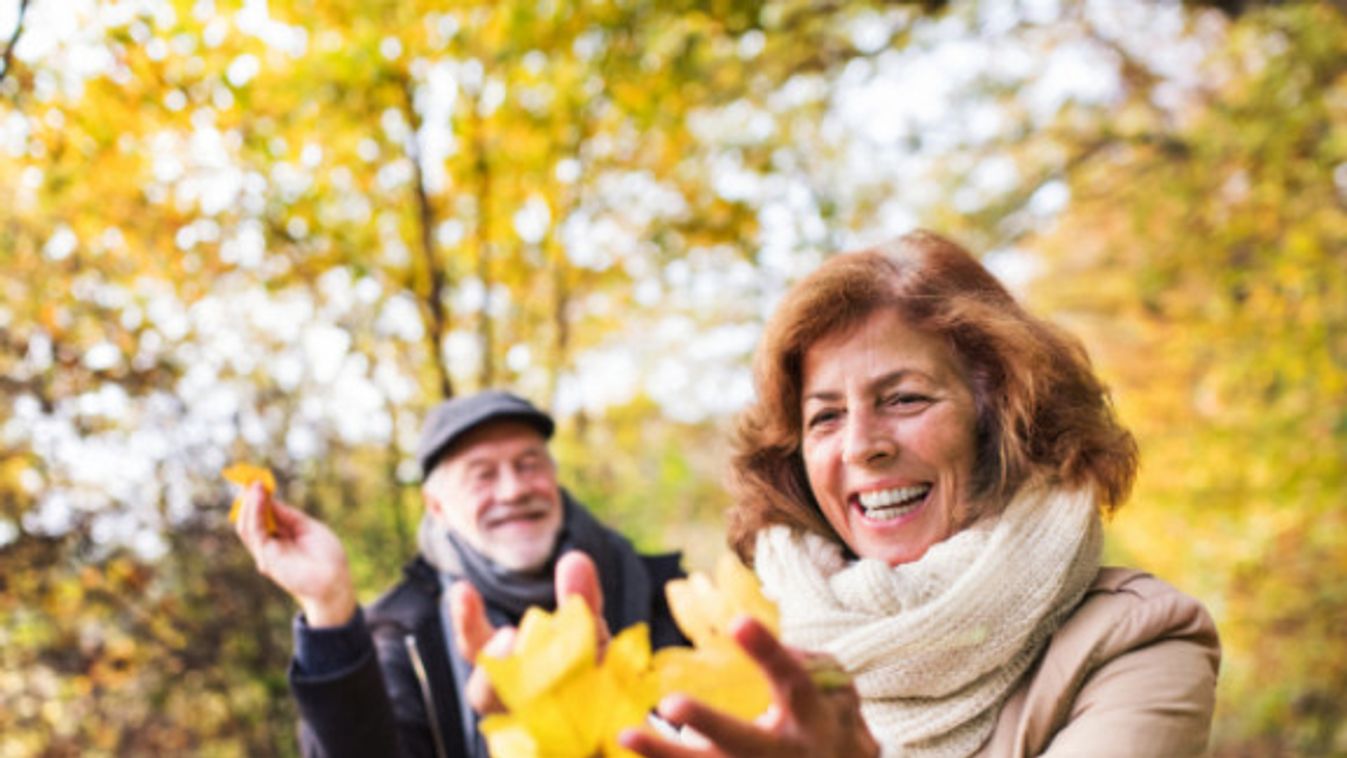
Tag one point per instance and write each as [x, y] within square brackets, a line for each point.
[792, 687]
[577, 575]
[472, 630]
[289, 520]
[481, 695]
[730, 735]
[248, 522]
[501, 643]
[645, 742]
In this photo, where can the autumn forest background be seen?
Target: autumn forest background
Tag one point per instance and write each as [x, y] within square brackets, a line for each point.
[279, 231]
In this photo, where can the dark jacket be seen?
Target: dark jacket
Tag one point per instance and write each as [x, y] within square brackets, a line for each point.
[381, 705]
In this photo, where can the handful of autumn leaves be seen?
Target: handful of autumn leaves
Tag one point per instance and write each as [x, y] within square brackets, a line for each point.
[564, 702]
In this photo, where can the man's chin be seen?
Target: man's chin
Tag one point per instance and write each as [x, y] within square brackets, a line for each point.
[522, 558]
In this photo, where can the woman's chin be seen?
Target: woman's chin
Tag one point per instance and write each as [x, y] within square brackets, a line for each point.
[893, 543]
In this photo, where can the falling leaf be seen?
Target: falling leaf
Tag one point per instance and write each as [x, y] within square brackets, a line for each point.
[245, 475]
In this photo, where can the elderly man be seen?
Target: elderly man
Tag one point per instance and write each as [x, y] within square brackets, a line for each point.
[391, 679]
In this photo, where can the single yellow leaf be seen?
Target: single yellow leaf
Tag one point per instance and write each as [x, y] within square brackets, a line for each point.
[704, 610]
[628, 686]
[696, 606]
[718, 674]
[245, 475]
[743, 594]
[548, 648]
[506, 736]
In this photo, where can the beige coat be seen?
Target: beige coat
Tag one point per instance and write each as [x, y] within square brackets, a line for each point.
[1131, 673]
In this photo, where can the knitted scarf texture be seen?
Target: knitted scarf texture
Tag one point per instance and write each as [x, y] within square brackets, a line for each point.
[937, 645]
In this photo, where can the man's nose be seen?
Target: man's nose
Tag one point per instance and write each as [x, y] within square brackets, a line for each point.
[509, 484]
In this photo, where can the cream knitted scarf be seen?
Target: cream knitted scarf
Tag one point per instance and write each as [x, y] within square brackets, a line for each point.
[937, 645]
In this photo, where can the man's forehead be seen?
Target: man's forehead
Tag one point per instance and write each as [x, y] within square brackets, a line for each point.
[495, 440]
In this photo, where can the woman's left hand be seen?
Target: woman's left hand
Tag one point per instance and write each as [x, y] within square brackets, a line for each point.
[810, 716]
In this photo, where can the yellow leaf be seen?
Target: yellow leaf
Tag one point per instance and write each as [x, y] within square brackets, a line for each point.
[717, 672]
[704, 610]
[506, 736]
[563, 703]
[628, 687]
[548, 648]
[245, 475]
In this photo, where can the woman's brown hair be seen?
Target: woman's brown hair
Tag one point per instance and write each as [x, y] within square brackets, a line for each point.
[1041, 411]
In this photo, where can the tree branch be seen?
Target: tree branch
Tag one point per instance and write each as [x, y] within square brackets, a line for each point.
[437, 317]
[482, 172]
[13, 41]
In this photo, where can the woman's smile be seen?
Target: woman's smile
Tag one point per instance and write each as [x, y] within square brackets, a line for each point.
[892, 503]
[888, 438]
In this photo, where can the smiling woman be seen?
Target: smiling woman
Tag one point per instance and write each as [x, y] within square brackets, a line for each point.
[869, 393]
[1039, 408]
[920, 486]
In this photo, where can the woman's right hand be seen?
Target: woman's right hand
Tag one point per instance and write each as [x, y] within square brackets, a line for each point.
[302, 556]
[810, 716]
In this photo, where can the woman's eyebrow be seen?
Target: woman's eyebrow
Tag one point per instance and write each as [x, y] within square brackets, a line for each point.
[893, 377]
[879, 382]
[822, 395]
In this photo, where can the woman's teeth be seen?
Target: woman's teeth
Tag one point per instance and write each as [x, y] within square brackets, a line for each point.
[883, 505]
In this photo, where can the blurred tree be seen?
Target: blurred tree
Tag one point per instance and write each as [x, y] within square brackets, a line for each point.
[1206, 255]
[278, 231]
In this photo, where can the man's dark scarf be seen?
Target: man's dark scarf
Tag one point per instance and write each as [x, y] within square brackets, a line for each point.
[507, 594]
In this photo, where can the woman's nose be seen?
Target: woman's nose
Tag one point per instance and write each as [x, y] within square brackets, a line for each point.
[866, 441]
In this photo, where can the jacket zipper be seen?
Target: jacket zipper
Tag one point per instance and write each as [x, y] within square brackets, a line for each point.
[432, 714]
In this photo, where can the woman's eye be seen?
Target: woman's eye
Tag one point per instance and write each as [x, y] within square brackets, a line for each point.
[906, 399]
[821, 418]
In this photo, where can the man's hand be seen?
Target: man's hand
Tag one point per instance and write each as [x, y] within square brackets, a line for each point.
[303, 557]
[474, 635]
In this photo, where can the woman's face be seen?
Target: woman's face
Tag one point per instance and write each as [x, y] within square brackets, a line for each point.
[888, 437]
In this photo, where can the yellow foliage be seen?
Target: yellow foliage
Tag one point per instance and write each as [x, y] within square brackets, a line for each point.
[562, 701]
[245, 475]
[717, 672]
[704, 609]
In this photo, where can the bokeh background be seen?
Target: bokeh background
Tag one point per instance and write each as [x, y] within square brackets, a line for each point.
[278, 231]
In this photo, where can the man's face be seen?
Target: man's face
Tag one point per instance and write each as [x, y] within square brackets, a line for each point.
[497, 490]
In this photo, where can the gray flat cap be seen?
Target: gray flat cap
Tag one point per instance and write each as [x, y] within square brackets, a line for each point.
[453, 418]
